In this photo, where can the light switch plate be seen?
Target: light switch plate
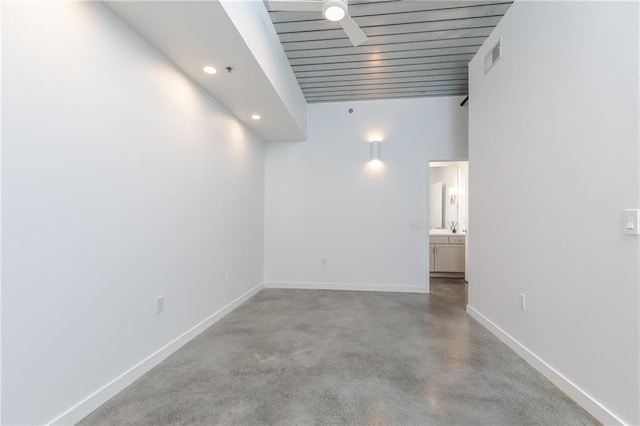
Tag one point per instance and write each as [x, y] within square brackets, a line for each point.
[630, 222]
[159, 305]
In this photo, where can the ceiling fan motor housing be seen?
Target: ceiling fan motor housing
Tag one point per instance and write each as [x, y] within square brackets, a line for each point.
[334, 10]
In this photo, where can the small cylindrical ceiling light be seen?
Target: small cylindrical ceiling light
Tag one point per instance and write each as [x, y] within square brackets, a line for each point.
[210, 70]
[374, 153]
[334, 10]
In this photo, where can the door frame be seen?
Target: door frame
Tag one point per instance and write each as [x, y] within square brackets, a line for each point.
[427, 190]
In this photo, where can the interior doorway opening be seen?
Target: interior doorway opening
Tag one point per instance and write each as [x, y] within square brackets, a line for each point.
[448, 207]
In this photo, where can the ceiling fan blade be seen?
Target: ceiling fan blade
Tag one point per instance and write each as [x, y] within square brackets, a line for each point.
[355, 34]
[296, 5]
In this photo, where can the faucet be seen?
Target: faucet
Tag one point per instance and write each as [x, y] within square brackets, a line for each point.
[453, 226]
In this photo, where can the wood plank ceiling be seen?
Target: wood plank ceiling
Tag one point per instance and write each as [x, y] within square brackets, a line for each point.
[416, 48]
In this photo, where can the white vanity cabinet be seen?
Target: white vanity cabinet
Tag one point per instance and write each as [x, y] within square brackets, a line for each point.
[446, 253]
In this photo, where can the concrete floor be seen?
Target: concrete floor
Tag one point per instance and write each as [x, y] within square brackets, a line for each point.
[301, 357]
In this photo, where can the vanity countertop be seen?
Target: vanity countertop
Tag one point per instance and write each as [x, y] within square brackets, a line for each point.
[445, 233]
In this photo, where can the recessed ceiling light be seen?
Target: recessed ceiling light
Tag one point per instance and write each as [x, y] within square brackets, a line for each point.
[256, 117]
[210, 70]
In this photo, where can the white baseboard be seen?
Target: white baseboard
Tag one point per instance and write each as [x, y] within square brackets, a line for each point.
[582, 398]
[102, 395]
[346, 286]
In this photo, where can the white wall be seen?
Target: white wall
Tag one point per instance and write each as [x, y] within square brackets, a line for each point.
[322, 202]
[1, 132]
[121, 181]
[554, 142]
[463, 195]
[252, 21]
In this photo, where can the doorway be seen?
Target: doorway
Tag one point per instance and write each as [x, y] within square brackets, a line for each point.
[448, 208]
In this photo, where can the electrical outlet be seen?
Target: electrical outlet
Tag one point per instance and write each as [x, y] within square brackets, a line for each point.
[228, 275]
[324, 262]
[523, 301]
[159, 305]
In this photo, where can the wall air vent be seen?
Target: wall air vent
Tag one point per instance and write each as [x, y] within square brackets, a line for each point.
[493, 56]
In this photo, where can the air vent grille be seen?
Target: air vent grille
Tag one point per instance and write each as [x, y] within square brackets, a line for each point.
[493, 56]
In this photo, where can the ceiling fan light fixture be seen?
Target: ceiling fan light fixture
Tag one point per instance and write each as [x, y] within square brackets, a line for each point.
[334, 10]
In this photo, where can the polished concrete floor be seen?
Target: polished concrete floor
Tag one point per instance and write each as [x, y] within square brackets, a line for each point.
[301, 357]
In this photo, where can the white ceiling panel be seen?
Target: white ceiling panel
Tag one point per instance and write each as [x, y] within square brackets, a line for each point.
[192, 34]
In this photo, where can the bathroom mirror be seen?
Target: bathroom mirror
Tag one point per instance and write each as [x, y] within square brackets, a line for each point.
[447, 195]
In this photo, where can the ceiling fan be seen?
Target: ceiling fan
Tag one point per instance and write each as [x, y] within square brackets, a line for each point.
[333, 10]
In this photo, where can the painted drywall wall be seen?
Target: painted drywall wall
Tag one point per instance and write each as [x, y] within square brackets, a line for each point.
[1, 6]
[252, 21]
[554, 142]
[463, 210]
[121, 181]
[463, 195]
[323, 202]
